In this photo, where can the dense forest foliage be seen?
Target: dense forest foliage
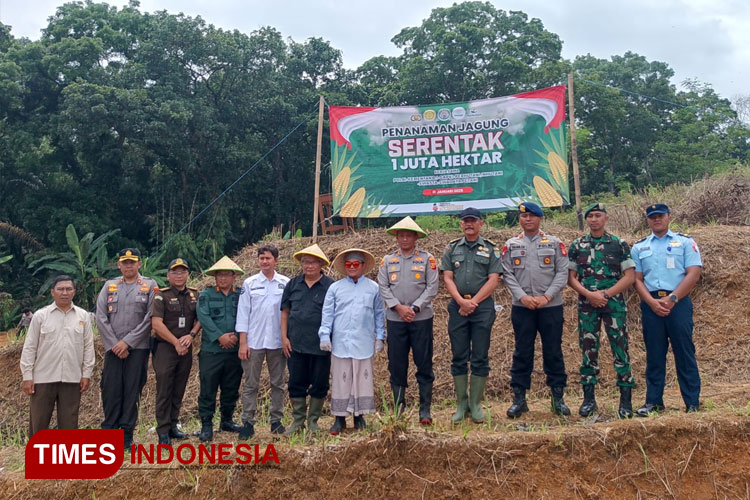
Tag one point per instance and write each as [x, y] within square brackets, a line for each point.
[128, 123]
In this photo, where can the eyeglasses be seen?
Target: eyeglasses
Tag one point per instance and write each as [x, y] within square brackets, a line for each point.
[178, 271]
[64, 290]
[354, 264]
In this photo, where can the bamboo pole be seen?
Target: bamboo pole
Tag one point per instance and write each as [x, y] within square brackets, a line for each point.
[574, 151]
[317, 171]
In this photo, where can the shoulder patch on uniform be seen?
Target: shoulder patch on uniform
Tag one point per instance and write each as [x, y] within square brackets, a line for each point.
[382, 262]
[433, 263]
[490, 242]
[563, 250]
[158, 297]
[504, 251]
[455, 241]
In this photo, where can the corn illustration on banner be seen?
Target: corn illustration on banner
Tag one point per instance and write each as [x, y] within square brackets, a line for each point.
[490, 154]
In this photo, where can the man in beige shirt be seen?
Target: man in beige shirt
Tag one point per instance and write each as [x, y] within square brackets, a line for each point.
[57, 359]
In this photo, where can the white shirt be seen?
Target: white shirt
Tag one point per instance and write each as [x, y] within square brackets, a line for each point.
[59, 346]
[259, 310]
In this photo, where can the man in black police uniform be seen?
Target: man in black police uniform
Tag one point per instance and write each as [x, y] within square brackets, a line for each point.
[535, 267]
[175, 323]
[471, 269]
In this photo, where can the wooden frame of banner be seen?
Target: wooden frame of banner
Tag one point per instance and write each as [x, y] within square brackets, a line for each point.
[317, 171]
[574, 150]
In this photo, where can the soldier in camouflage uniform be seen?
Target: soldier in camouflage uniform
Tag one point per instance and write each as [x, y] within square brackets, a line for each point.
[600, 269]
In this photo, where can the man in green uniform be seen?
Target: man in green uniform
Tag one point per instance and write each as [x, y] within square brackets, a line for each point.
[600, 269]
[218, 363]
[471, 269]
[175, 324]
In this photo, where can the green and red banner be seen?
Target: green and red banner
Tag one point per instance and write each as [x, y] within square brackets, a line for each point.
[489, 154]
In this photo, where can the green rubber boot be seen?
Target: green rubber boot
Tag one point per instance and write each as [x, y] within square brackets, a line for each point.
[476, 394]
[462, 406]
[313, 414]
[299, 412]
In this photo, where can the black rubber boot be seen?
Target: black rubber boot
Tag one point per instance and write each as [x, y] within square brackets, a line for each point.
[399, 399]
[519, 405]
[227, 424]
[425, 402]
[626, 407]
[359, 422]
[558, 405]
[338, 425]
[589, 401]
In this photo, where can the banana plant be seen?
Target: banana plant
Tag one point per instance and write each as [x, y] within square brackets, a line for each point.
[87, 262]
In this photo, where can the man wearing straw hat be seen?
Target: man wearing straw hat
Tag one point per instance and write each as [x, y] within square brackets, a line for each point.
[301, 310]
[352, 312]
[218, 363]
[409, 280]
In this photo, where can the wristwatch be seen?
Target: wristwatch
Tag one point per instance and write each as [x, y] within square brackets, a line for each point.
[606, 295]
[416, 309]
[674, 297]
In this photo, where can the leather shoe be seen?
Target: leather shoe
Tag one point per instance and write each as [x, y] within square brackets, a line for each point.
[277, 427]
[229, 426]
[176, 433]
[692, 409]
[247, 431]
[207, 432]
[647, 408]
[164, 439]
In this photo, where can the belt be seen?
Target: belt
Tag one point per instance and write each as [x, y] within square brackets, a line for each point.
[660, 293]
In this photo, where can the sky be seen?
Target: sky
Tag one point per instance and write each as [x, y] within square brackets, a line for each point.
[704, 39]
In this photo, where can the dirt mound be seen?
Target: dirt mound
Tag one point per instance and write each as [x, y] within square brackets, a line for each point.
[671, 457]
[722, 327]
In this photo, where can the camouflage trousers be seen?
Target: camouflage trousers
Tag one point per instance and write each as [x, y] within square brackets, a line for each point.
[589, 326]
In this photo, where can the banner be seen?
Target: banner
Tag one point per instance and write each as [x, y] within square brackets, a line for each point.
[490, 154]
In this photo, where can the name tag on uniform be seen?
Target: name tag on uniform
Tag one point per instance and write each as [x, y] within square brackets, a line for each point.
[670, 262]
[181, 322]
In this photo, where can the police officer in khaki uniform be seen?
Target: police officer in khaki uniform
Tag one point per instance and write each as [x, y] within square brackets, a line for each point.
[471, 269]
[175, 323]
[535, 268]
[123, 316]
[408, 280]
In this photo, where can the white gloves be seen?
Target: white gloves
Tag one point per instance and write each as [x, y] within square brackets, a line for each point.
[379, 346]
[325, 346]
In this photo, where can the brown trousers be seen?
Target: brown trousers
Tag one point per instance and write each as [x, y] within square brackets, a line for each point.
[67, 397]
[172, 373]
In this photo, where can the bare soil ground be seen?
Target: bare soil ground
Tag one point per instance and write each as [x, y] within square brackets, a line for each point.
[673, 455]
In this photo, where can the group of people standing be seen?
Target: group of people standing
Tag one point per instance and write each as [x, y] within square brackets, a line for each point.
[326, 332]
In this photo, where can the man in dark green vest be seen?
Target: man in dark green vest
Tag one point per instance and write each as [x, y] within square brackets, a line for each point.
[219, 364]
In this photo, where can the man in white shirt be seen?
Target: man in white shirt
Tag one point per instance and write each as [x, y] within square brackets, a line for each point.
[259, 328]
[57, 359]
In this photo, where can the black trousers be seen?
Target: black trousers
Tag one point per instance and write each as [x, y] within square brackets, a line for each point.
[526, 323]
[308, 375]
[218, 370]
[172, 372]
[470, 338]
[121, 386]
[402, 337]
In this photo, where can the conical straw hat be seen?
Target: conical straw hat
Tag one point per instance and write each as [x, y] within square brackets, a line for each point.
[313, 250]
[224, 264]
[338, 262]
[408, 224]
